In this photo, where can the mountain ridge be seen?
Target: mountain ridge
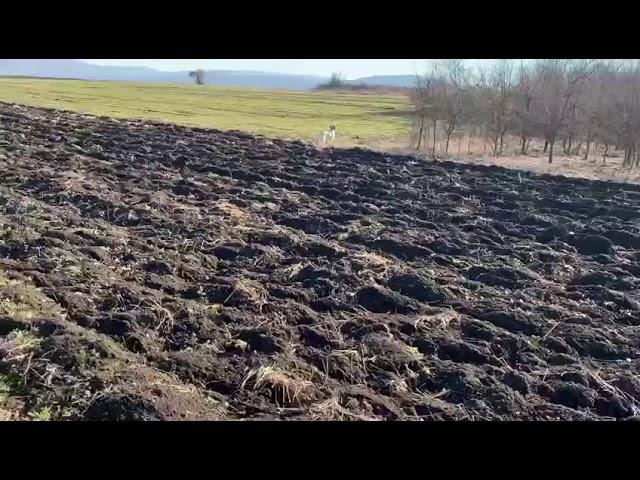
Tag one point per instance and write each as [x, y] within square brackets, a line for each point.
[76, 69]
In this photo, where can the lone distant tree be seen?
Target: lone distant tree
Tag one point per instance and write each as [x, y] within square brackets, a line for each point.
[198, 75]
[336, 80]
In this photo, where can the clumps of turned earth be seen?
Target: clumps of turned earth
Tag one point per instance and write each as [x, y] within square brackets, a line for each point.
[155, 272]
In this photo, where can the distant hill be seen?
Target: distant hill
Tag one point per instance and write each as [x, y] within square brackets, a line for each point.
[76, 69]
[387, 80]
[84, 71]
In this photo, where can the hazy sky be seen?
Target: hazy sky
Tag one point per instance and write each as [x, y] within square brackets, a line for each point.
[351, 68]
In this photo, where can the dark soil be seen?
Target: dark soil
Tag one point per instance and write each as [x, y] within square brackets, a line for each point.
[192, 273]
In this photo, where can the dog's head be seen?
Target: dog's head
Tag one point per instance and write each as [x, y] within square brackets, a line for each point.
[332, 128]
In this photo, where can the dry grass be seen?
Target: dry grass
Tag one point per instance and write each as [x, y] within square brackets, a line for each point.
[374, 260]
[596, 377]
[172, 398]
[18, 343]
[250, 291]
[372, 266]
[444, 320]
[297, 237]
[397, 346]
[17, 350]
[351, 358]
[536, 161]
[23, 302]
[231, 211]
[292, 270]
[569, 166]
[16, 310]
[213, 310]
[7, 415]
[331, 410]
[286, 388]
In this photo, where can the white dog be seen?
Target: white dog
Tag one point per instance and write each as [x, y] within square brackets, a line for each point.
[329, 135]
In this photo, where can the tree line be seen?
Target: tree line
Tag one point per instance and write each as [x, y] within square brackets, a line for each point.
[569, 104]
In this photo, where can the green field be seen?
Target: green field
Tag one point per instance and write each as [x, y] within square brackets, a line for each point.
[360, 118]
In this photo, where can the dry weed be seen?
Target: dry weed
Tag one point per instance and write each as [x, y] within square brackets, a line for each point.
[331, 410]
[251, 291]
[441, 320]
[286, 389]
[232, 211]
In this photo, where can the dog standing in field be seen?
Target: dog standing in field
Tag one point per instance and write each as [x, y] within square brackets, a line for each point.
[329, 135]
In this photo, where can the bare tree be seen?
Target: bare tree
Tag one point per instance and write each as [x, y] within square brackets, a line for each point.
[198, 75]
[594, 105]
[426, 98]
[526, 94]
[580, 102]
[496, 93]
[571, 127]
[421, 97]
[451, 96]
[560, 81]
[627, 104]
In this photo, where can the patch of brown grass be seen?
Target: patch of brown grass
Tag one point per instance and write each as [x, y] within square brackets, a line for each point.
[286, 388]
[372, 264]
[331, 410]
[233, 212]
[443, 320]
[173, 399]
[7, 415]
[473, 151]
[349, 359]
[250, 290]
[292, 270]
